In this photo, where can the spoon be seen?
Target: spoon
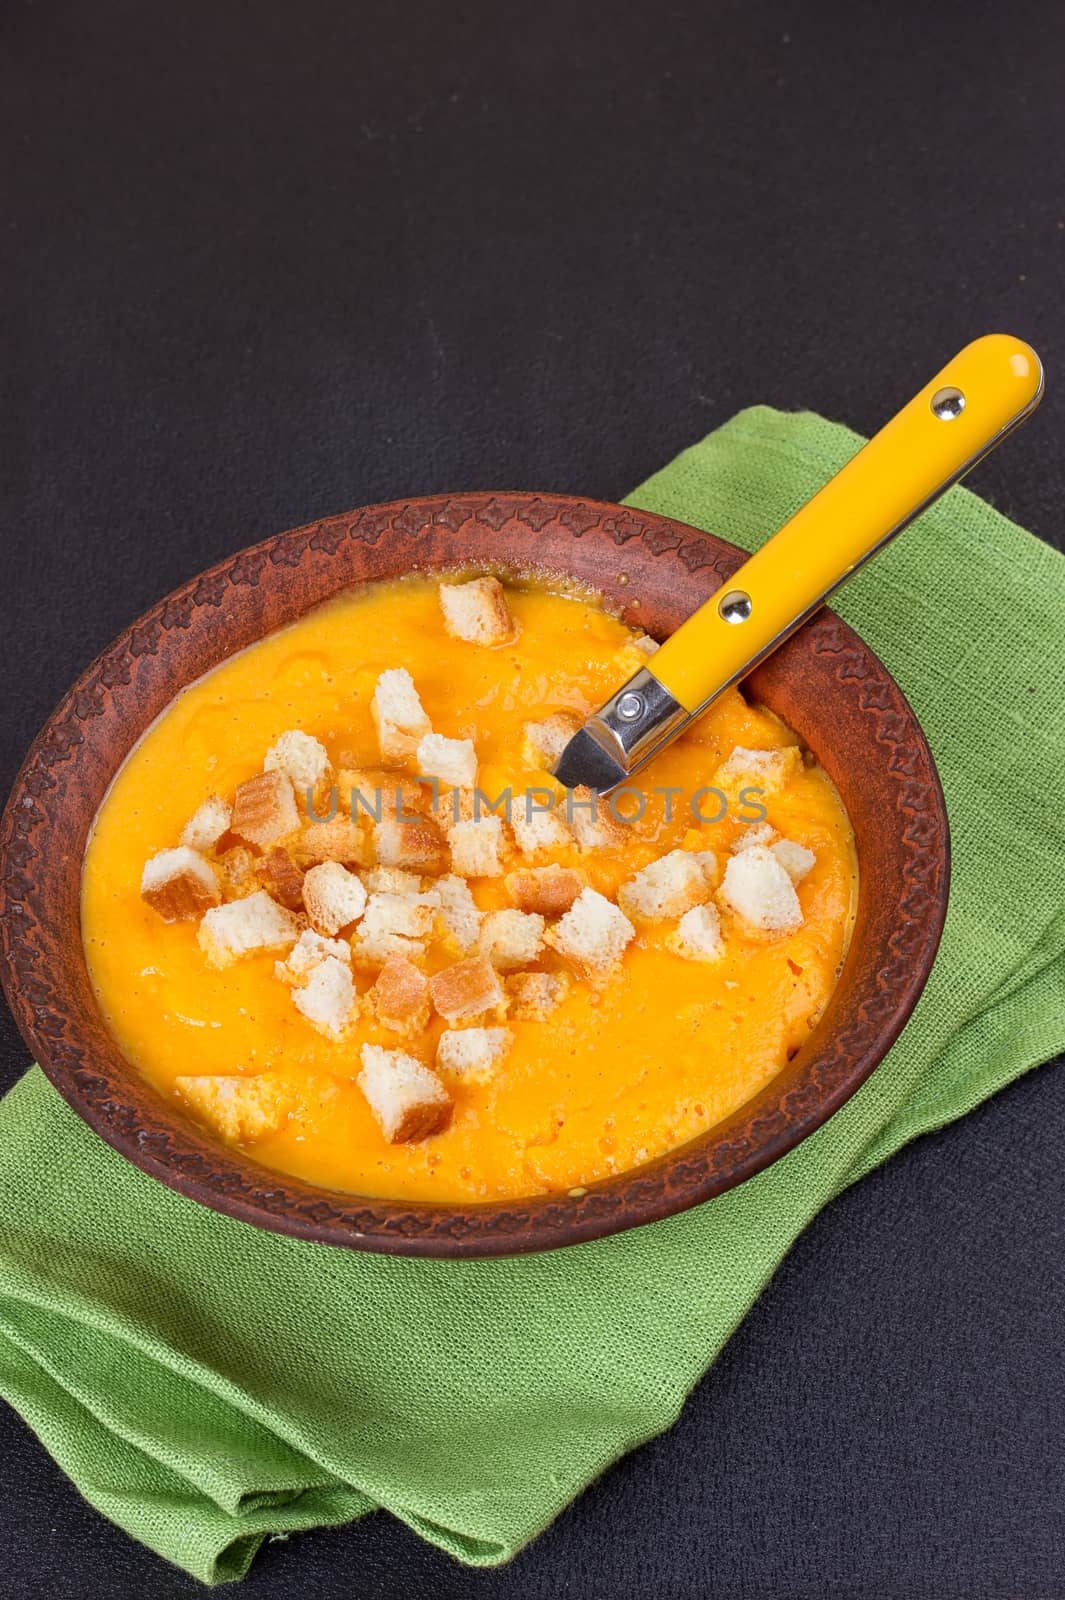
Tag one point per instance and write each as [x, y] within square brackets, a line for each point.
[989, 389]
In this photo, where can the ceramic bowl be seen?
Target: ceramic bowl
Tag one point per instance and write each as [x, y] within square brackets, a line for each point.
[825, 683]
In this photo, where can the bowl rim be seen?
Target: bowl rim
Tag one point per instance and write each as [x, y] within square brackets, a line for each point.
[666, 569]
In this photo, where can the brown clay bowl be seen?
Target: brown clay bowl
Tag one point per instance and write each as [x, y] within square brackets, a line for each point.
[824, 682]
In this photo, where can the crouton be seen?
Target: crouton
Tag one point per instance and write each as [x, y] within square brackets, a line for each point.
[309, 950]
[593, 934]
[548, 890]
[303, 760]
[697, 936]
[418, 846]
[794, 858]
[757, 888]
[398, 715]
[394, 924]
[635, 653]
[543, 742]
[708, 865]
[537, 831]
[392, 880]
[264, 809]
[472, 1054]
[452, 761]
[339, 839]
[373, 794]
[333, 896]
[767, 770]
[591, 820]
[282, 879]
[207, 824]
[328, 999]
[666, 888]
[475, 848]
[237, 871]
[452, 806]
[400, 996]
[179, 884]
[246, 927]
[511, 938]
[458, 911]
[241, 1109]
[467, 989]
[759, 833]
[534, 995]
[408, 1101]
[477, 611]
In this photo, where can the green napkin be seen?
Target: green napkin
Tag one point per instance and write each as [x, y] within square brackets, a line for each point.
[205, 1384]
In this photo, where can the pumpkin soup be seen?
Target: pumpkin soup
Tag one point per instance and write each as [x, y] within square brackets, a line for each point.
[337, 908]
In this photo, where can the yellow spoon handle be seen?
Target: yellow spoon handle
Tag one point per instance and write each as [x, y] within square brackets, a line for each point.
[966, 409]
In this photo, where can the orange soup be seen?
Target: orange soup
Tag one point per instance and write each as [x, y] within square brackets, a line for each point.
[725, 905]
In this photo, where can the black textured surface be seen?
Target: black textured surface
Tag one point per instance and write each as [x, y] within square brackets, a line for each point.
[265, 262]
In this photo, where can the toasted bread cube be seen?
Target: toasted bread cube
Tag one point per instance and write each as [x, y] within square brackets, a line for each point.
[751, 834]
[264, 809]
[452, 761]
[241, 1109]
[392, 880]
[548, 890]
[766, 770]
[370, 794]
[395, 924]
[237, 869]
[419, 846]
[339, 839]
[543, 742]
[282, 879]
[666, 888]
[475, 848]
[179, 884]
[757, 888]
[472, 1054]
[400, 996]
[537, 831]
[207, 824]
[512, 938]
[697, 936]
[708, 865]
[593, 934]
[372, 950]
[534, 995]
[452, 806]
[635, 653]
[477, 611]
[467, 989]
[245, 928]
[302, 758]
[794, 858]
[307, 953]
[398, 715]
[591, 820]
[333, 896]
[328, 999]
[408, 1101]
[458, 911]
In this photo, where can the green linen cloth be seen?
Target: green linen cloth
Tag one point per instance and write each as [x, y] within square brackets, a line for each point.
[205, 1384]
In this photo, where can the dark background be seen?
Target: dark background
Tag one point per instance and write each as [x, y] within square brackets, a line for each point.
[264, 262]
